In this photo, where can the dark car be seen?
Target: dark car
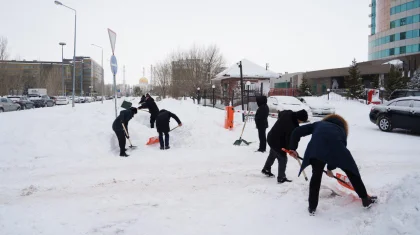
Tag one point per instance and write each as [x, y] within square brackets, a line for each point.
[399, 93]
[401, 113]
[24, 102]
[41, 101]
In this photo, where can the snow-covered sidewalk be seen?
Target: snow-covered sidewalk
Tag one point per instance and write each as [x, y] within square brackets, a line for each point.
[60, 174]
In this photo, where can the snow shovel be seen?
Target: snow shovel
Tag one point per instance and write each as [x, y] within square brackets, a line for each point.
[155, 139]
[342, 179]
[240, 140]
[126, 104]
[126, 133]
[300, 163]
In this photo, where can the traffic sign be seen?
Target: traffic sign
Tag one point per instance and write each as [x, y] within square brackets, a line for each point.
[112, 39]
[114, 65]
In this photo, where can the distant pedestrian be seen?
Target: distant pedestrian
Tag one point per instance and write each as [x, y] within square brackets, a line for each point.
[261, 122]
[162, 126]
[123, 119]
[153, 109]
[278, 138]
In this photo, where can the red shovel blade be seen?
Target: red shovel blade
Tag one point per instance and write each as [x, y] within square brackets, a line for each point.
[345, 179]
[153, 140]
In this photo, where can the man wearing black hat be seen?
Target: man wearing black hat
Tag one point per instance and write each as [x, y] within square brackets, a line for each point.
[123, 119]
[278, 138]
[150, 104]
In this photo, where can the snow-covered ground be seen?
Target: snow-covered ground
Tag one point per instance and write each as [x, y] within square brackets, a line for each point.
[60, 174]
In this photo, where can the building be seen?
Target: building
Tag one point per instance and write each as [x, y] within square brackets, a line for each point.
[287, 80]
[16, 77]
[144, 85]
[89, 75]
[395, 28]
[257, 75]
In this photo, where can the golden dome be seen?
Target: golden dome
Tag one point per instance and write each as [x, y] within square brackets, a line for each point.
[143, 81]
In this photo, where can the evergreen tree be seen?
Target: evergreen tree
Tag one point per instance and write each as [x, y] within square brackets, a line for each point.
[414, 82]
[304, 88]
[395, 80]
[353, 82]
[375, 82]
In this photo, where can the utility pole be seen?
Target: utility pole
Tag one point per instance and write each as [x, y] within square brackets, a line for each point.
[242, 90]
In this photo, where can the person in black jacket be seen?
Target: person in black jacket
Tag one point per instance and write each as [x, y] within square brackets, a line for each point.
[278, 138]
[328, 146]
[142, 99]
[261, 121]
[118, 128]
[153, 109]
[162, 126]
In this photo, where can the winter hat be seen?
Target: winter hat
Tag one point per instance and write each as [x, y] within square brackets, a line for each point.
[302, 115]
[134, 110]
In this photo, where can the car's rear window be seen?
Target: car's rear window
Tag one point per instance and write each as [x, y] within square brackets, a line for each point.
[416, 93]
[403, 103]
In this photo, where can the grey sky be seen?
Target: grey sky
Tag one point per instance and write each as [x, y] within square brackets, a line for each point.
[292, 36]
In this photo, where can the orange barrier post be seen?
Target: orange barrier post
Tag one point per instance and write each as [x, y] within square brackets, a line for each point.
[229, 117]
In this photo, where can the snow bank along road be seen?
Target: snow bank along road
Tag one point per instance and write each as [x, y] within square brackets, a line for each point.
[60, 174]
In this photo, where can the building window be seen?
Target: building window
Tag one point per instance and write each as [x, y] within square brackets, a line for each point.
[403, 21]
[392, 24]
[398, 9]
[392, 38]
[409, 49]
[391, 51]
[397, 37]
[402, 36]
[403, 7]
[402, 50]
[410, 20]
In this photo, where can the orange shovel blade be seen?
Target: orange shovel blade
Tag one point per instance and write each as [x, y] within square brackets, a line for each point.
[345, 179]
[153, 140]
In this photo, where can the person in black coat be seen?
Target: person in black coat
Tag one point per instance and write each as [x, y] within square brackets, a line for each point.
[153, 109]
[123, 119]
[261, 121]
[162, 126]
[278, 138]
[142, 99]
[328, 146]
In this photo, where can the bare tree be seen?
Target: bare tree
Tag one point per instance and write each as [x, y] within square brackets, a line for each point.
[162, 76]
[4, 55]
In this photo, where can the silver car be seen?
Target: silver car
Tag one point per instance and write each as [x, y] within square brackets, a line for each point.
[7, 105]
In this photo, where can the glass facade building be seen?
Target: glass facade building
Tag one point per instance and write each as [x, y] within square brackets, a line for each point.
[395, 28]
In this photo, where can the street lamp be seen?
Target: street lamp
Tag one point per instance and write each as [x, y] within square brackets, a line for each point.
[213, 87]
[102, 65]
[248, 83]
[62, 44]
[198, 95]
[328, 90]
[74, 53]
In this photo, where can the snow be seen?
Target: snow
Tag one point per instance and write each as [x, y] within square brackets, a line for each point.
[60, 174]
[249, 70]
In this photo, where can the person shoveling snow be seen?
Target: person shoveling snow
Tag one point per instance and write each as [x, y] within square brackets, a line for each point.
[328, 146]
[120, 127]
[162, 126]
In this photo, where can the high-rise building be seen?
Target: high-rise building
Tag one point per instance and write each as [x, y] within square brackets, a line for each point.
[395, 28]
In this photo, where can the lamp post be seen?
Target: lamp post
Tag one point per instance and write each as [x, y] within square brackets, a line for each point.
[213, 87]
[62, 44]
[328, 90]
[248, 83]
[102, 65]
[74, 53]
[198, 95]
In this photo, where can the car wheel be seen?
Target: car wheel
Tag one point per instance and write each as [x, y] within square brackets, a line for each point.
[24, 107]
[1, 110]
[18, 109]
[384, 123]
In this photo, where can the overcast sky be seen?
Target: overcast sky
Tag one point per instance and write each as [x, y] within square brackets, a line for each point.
[292, 35]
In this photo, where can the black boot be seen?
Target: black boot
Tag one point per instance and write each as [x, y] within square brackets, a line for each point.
[368, 201]
[311, 211]
[167, 147]
[124, 154]
[267, 173]
[284, 179]
[162, 148]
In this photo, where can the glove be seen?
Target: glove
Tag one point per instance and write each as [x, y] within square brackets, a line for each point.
[180, 124]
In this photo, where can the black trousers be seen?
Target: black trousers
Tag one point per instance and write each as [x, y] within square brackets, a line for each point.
[121, 140]
[281, 159]
[263, 139]
[315, 184]
[152, 120]
[166, 143]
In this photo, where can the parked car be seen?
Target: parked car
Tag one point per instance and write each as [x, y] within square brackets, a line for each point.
[89, 99]
[23, 101]
[401, 113]
[54, 98]
[7, 105]
[41, 101]
[403, 93]
[318, 106]
[99, 98]
[62, 100]
[280, 103]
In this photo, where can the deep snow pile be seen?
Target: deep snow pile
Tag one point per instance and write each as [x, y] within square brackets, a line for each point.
[60, 174]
